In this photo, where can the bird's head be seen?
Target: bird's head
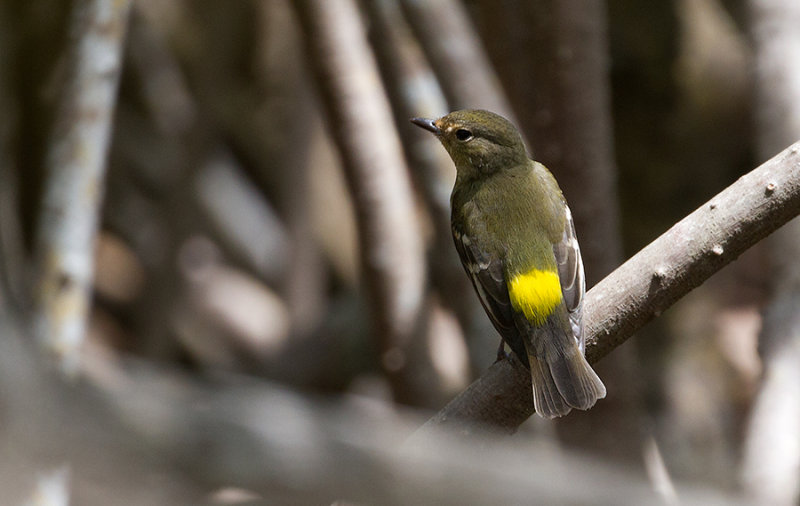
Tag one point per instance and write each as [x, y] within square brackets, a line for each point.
[479, 142]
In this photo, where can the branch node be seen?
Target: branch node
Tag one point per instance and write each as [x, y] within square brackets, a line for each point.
[718, 250]
[660, 273]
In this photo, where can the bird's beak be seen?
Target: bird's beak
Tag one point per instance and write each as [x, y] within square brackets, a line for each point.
[427, 124]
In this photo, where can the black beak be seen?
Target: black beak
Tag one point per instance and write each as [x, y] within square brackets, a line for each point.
[427, 124]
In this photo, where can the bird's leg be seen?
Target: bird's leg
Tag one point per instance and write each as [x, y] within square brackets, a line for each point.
[501, 351]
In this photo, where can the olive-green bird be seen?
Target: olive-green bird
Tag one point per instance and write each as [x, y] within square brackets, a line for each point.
[516, 239]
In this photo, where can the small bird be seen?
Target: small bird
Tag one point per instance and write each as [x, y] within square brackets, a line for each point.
[516, 239]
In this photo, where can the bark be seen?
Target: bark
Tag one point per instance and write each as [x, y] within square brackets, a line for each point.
[646, 285]
[771, 462]
[75, 165]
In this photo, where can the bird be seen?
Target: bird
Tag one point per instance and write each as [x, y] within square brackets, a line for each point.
[515, 236]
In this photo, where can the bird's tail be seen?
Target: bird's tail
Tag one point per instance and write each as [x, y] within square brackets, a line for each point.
[562, 379]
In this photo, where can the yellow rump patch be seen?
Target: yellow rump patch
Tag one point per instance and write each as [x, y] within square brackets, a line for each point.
[536, 293]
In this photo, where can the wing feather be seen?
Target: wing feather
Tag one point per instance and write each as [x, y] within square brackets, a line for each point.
[570, 273]
[488, 278]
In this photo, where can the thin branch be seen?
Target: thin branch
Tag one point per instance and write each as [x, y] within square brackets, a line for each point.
[646, 285]
[76, 165]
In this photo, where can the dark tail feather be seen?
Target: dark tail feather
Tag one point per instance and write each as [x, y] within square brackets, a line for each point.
[575, 379]
[547, 400]
[563, 380]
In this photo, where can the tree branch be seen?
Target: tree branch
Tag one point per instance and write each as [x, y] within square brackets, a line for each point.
[646, 285]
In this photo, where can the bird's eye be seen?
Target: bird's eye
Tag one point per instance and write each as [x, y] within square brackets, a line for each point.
[463, 135]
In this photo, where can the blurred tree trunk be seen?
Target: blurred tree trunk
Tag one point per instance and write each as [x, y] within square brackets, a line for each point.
[771, 465]
[37, 39]
[360, 121]
[552, 57]
[287, 115]
[264, 130]
[160, 144]
[415, 92]
[12, 256]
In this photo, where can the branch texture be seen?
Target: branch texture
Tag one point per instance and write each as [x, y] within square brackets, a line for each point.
[647, 284]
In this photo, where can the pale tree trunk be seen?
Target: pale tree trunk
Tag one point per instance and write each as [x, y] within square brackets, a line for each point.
[76, 165]
[771, 464]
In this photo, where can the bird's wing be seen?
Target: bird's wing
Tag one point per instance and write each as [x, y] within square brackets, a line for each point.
[570, 273]
[488, 277]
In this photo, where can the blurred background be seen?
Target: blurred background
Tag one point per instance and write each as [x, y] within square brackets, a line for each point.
[266, 243]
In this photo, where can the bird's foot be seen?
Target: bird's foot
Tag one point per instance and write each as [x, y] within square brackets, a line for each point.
[501, 352]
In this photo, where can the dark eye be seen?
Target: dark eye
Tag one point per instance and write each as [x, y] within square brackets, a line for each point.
[463, 135]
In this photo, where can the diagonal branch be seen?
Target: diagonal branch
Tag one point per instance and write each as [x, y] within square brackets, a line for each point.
[647, 284]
